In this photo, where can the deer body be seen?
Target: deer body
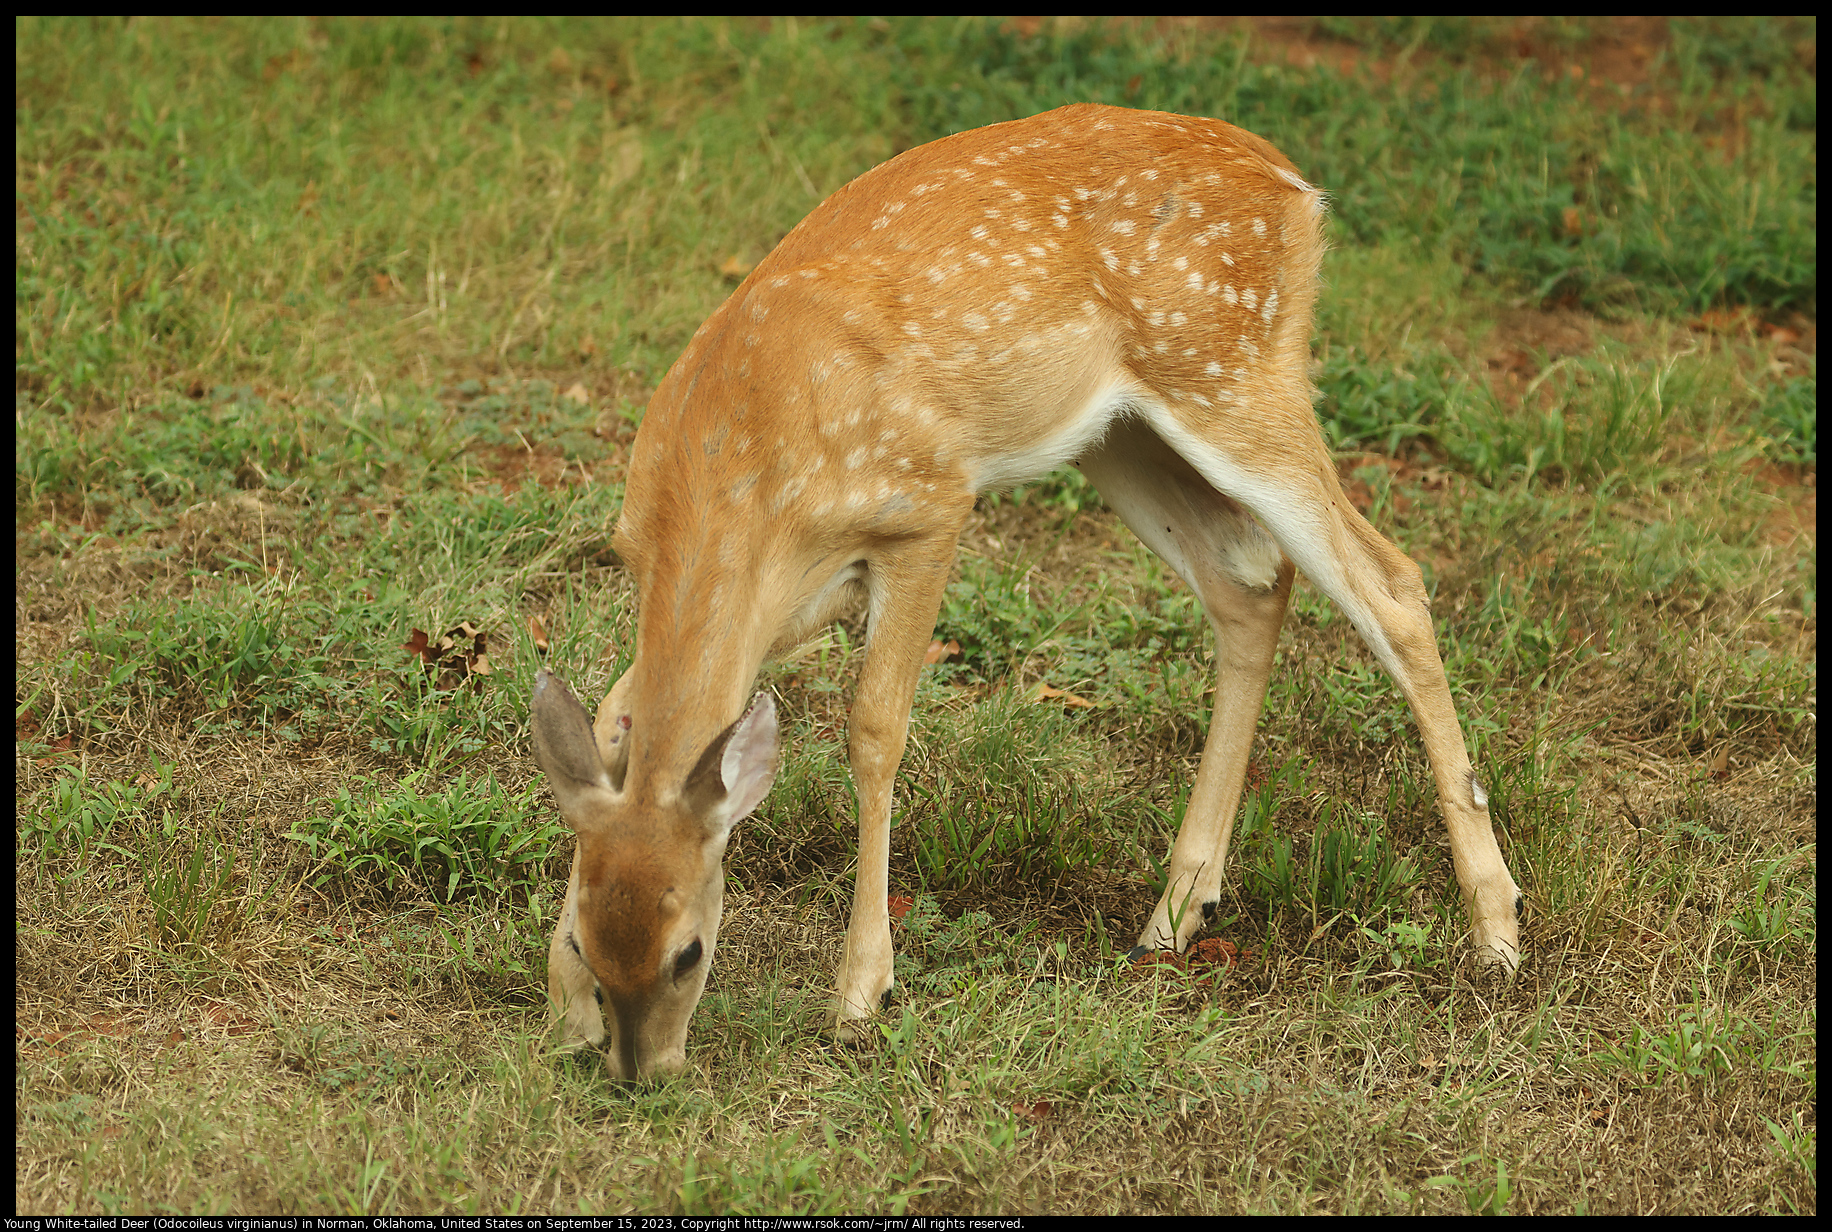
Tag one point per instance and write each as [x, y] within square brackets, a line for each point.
[1128, 291]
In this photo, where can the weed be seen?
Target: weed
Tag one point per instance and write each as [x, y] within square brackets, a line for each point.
[1489, 1193]
[1775, 914]
[469, 838]
[79, 814]
[1693, 1048]
[1792, 410]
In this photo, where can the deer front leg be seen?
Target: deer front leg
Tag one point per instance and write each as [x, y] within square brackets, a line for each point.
[572, 989]
[906, 590]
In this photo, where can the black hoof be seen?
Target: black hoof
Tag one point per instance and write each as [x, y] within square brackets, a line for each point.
[884, 1002]
[1136, 952]
[1209, 909]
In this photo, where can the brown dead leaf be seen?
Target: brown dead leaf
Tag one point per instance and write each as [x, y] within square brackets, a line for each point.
[1215, 951]
[539, 632]
[1573, 220]
[900, 905]
[579, 394]
[1048, 692]
[232, 1019]
[1205, 960]
[1719, 766]
[943, 652]
[736, 268]
[1724, 321]
[455, 658]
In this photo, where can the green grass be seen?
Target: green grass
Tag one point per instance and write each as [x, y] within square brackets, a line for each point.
[330, 330]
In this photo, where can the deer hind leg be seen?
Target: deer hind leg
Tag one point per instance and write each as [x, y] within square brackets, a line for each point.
[1296, 496]
[905, 586]
[1243, 582]
[1380, 589]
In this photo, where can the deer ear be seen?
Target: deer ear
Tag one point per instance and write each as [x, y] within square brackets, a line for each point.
[565, 749]
[735, 772]
[612, 729]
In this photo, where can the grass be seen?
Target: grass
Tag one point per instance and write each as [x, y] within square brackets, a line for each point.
[330, 331]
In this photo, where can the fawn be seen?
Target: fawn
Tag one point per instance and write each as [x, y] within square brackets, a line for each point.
[1127, 291]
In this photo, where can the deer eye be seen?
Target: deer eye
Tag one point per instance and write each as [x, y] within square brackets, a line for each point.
[689, 958]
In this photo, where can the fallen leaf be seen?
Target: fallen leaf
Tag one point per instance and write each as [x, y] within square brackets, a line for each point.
[1046, 692]
[943, 652]
[448, 657]
[736, 268]
[1206, 959]
[900, 905]
[578, 393]
[539, 632]
[1719, 767]
[1723, 321]
[1032, 1110]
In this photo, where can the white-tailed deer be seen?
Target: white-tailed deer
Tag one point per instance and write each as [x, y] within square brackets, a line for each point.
[1127, 291]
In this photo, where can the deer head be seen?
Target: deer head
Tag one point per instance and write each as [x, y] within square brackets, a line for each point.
[641, 918]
